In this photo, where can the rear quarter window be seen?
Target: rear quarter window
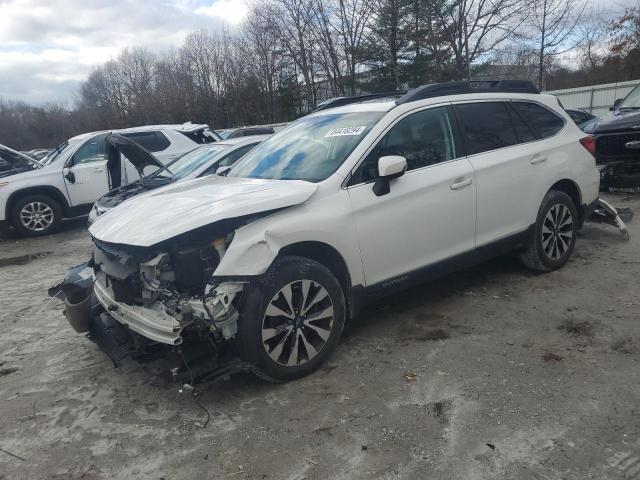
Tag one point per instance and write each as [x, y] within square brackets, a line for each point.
[544, 122]
[151, 141]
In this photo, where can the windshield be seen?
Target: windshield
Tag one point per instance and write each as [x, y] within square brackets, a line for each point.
[223, 134]
[311, 148]
[631, 101]
[189, 162]
[56, 153]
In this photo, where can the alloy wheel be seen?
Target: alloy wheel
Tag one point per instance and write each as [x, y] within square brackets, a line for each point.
[36, 216]
[557, 231]
[297, 323]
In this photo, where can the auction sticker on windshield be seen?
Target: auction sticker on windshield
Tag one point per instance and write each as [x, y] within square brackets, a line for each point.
[344, 131]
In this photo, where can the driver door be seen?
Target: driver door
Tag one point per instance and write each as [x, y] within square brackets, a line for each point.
[85, 176]
[429, 215]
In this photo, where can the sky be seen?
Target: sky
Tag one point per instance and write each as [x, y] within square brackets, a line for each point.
[48, 47]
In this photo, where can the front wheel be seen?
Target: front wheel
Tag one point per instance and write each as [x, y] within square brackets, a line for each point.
[555, 233]
[36, 215]
[292, 319]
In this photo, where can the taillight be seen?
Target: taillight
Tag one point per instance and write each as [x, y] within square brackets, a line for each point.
[589, 142]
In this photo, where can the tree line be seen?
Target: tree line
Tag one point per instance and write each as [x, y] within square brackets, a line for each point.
[289, 55]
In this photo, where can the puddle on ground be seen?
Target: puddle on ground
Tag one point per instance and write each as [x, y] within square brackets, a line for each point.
[23, 259]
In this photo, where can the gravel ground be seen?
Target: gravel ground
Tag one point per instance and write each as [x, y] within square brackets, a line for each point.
[491, 373]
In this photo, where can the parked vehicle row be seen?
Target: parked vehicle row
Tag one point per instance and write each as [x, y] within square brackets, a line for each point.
[68, 181]
[261, 268]
[199, 162]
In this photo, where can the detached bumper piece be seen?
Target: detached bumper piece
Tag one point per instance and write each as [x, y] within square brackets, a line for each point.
[606, 213]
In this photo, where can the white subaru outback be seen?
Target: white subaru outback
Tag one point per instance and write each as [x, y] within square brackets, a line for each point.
[342, 206]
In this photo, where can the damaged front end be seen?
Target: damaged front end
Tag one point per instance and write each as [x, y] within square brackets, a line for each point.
[162, 300]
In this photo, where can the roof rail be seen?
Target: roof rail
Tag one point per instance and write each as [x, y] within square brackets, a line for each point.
[458, 88]
[339, 101]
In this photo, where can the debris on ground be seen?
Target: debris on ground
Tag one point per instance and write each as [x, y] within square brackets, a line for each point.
[551, 357]
[581, 329]
[8, 371]
[410, 376]
[606, 213]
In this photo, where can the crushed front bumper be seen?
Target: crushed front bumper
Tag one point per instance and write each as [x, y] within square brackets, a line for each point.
[151, 321]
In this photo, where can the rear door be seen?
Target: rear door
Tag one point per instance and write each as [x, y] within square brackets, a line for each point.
[86, 176]
[429, 214]
[501, 156]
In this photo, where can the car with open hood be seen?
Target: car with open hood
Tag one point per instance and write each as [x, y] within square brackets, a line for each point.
[261, 268]
[199, 162]
[13, 162]
[67, 182]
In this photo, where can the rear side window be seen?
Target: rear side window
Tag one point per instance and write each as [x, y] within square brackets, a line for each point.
[485, 126]
[544, 122]
[151, 141]
[523, 131]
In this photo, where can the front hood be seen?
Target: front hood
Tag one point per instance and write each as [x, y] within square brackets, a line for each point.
[157, 216]
[622, 121]
[137, 155]
[13, 163]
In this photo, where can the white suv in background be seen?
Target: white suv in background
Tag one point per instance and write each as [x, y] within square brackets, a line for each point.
[74, 175]
[340, 207]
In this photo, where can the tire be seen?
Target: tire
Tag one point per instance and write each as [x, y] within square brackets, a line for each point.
[554, 235]
[283, 344]
[36, 215]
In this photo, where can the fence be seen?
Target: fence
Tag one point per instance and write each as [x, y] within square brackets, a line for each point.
[596, 99]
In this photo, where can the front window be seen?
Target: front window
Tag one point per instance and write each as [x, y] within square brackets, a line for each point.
[631, 101]
[310, 149]
[189, 162]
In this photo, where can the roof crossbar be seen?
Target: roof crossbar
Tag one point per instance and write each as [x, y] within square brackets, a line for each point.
[339, 101]
[458, 88]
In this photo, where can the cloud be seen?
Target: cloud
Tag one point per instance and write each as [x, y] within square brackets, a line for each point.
[233, 11]
[48, 48]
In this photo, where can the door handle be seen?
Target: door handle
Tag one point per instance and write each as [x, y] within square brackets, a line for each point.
[461, 183]
[98, 169]
[538, 159]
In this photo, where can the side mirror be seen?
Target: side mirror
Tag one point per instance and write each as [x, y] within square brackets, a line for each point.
[616, 104]
[222, 171]
[389, 167]
[70, 176]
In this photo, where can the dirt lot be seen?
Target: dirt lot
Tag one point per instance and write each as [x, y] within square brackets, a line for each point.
[494, 372]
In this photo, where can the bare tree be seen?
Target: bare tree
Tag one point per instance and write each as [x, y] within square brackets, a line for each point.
[475, 27]
[554, 25]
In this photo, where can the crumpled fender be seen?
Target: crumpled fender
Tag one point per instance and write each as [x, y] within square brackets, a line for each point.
[255, 246]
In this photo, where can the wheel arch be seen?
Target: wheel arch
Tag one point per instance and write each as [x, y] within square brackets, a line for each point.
[51, 191]
[572, 189]
[329, 257]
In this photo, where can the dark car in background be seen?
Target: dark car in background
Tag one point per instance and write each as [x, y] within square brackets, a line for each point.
[582, 118]
[617, 140]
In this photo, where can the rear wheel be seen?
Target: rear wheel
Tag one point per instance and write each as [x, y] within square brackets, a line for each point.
[555, 233]
[292, 319]
[35, 215]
